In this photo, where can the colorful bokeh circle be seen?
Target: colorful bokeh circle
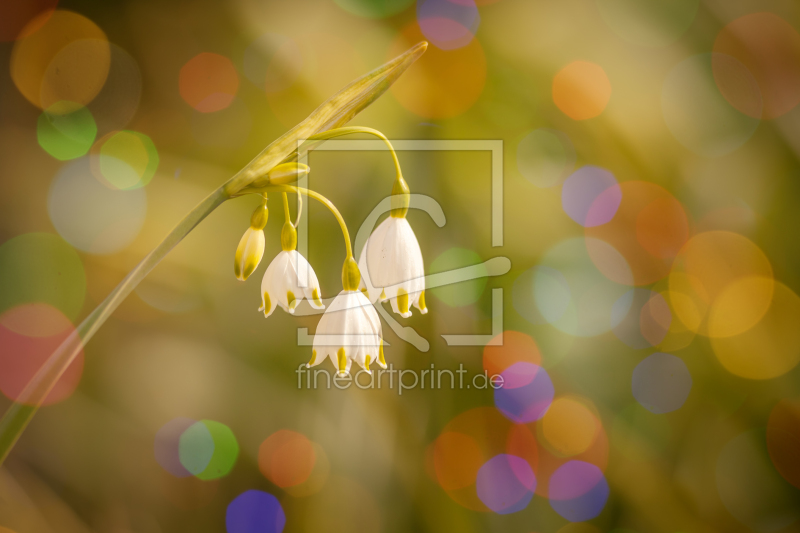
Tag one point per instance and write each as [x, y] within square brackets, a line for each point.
[506, 484]
[448, 24]
[525, 394]
[769, 49]
[771, 347]
[647, 231]
[68, 135]
[90, 215]
[550, 459]
[255, 511]
[208, 449]
[661, 383]
[125, 159]
[166, 446]
[29, 336]
[572, 294]
[41, 268]
[721, 284]
[581, 90]
[591, 196]
[66, 60]
[464, 292]
[470, 441]
[578, 491]
[287, 458]
[443, 83]
[515, 347]
[569, 427]
[208, 82]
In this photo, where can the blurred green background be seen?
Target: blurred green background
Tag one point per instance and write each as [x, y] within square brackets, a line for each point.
[650, 171]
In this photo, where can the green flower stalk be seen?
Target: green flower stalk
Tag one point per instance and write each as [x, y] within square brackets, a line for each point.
[270, 171]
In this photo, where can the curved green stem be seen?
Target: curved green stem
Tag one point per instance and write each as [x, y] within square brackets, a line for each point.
[22, 410]
[400, 190]
[316, 196]
[350, 130]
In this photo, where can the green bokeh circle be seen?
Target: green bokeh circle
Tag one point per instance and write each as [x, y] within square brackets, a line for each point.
[208, 449]
[374, 9]
[41, 268]
[68, 135]
[128, 159]
[462, 293]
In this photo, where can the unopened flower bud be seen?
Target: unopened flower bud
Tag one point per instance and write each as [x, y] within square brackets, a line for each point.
[287, 173]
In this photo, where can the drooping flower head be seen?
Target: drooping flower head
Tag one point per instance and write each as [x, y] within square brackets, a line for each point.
[391, 260]
[349, 331]
[289, 278]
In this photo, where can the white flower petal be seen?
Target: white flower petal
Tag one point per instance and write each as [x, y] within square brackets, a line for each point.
[390, 261]
[280, 282]
[351, 326]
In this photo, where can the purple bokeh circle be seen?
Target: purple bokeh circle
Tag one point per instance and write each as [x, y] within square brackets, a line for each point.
[578, 491]
[255, 511]
[165, 446]
[506, 484]
[525, 394]
[448, 24]
[591, 196]
[661, 382]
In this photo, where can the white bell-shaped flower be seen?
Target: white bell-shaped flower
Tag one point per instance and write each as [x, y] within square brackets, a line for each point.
[391, 267]
[289, 278]
[348, 331]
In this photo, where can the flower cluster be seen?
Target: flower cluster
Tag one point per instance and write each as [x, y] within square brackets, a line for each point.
[390, 267]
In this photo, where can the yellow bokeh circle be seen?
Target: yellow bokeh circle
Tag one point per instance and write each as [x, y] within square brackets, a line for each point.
[720, 284]
[769, 349]
[66, 60]
[569, 427]
[581, 90]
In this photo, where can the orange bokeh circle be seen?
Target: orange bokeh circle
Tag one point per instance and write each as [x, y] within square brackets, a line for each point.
[442, 83]
[463, 447]
[517, 347]
[208, 82]
[581, 90]
[569, 427]
[721, 284]
[286, 458]
[648, 230]
[64, 64]
[769, 47]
